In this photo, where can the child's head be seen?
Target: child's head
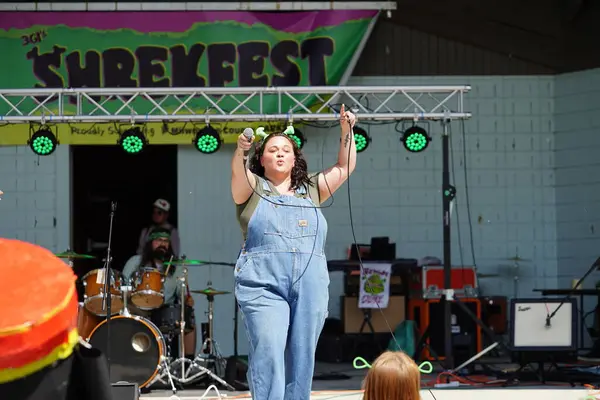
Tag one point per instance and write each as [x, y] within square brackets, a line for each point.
[393, 376]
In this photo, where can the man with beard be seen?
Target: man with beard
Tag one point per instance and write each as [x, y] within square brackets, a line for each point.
[160, 220]
[156, 251]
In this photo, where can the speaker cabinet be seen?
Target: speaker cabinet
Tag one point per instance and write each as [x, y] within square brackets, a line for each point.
[429, 313]
[493, 313]
[125, 391]
[353, 316]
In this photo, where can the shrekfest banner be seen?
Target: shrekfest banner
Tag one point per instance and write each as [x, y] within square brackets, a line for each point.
[172, 49]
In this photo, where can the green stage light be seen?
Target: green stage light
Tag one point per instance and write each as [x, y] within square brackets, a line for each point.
[361, 139]
[415, 139]
[133, 141]
[207, 140]
[43, 142]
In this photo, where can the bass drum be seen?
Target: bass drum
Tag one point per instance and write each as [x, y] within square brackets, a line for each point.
[136, 348]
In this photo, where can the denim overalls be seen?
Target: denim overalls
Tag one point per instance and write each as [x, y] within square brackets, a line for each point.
[282, 288]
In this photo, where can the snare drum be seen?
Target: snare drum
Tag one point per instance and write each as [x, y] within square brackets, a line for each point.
[136, 348]
[93, 283]
[147, 291]
[168, 316]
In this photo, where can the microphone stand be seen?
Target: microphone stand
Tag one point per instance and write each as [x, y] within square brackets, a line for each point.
[106, 300]
[448, 297]
[595, 265]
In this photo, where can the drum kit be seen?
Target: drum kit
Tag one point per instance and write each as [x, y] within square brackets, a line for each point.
[138, 347]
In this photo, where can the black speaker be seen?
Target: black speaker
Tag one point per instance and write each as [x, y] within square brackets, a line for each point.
[466, 334]
[125, 391]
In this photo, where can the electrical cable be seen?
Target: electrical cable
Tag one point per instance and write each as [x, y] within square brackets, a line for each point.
[204, 395]
[467, 197]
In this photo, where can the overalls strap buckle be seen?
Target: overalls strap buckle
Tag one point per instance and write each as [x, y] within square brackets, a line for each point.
[266, 187]
[301, 191]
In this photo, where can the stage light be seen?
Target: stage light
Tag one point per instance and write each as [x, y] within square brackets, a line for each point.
[207, 140]
[132, 140]
[361, 139]
[43, 142]
[415, 139]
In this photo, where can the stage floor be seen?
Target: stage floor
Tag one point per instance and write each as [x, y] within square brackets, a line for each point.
[515, 393]
[341, 381]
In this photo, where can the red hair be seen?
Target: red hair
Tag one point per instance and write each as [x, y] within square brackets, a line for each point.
[393, 376]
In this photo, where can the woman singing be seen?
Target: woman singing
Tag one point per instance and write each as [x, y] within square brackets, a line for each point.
[281, 277]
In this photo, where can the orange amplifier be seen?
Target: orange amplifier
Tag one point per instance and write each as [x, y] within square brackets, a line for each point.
[463, 281]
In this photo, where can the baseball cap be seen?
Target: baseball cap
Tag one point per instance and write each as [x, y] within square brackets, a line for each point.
[162, 204]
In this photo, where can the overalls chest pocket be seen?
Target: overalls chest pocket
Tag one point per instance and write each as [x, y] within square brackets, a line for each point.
[292, 217]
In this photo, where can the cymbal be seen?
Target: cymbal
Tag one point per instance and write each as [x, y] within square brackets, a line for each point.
[72, 254]
[185, 262]
[209, 291]
[197, 262]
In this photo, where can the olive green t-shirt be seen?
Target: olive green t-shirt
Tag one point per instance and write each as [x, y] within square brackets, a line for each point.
[244, 211]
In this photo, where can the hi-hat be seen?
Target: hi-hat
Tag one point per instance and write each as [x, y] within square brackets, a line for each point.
[209, 291]
[71, 254]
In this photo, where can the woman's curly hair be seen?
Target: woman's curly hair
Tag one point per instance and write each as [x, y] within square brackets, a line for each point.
[299, 174]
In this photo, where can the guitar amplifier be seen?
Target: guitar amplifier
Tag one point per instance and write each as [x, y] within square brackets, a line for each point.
[125, 391]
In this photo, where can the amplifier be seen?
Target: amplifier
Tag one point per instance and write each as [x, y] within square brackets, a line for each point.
[494, 313]
[462, 280]
[125, 391]
[430, 314]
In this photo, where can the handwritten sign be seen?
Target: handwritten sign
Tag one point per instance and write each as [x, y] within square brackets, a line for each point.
[375, 286]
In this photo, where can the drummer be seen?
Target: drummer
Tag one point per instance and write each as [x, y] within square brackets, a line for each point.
[156, 251]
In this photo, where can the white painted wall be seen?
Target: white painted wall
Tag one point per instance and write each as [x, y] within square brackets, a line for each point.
[577, 135]
[36, 205]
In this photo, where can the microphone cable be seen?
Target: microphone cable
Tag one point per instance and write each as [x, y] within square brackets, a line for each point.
[313, 207]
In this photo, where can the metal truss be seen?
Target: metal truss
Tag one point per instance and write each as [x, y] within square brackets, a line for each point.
[231, 104]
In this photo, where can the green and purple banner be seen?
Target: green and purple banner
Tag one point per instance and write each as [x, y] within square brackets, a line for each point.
[178, 49]
[191, 49]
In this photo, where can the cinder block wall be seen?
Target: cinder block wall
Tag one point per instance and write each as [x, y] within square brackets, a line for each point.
[509, 156]
[577, 164]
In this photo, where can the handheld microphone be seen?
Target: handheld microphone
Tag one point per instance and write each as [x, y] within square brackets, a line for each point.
[113, 206]
[248, 134]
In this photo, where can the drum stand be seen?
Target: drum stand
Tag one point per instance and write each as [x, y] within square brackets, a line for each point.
[195, 370]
